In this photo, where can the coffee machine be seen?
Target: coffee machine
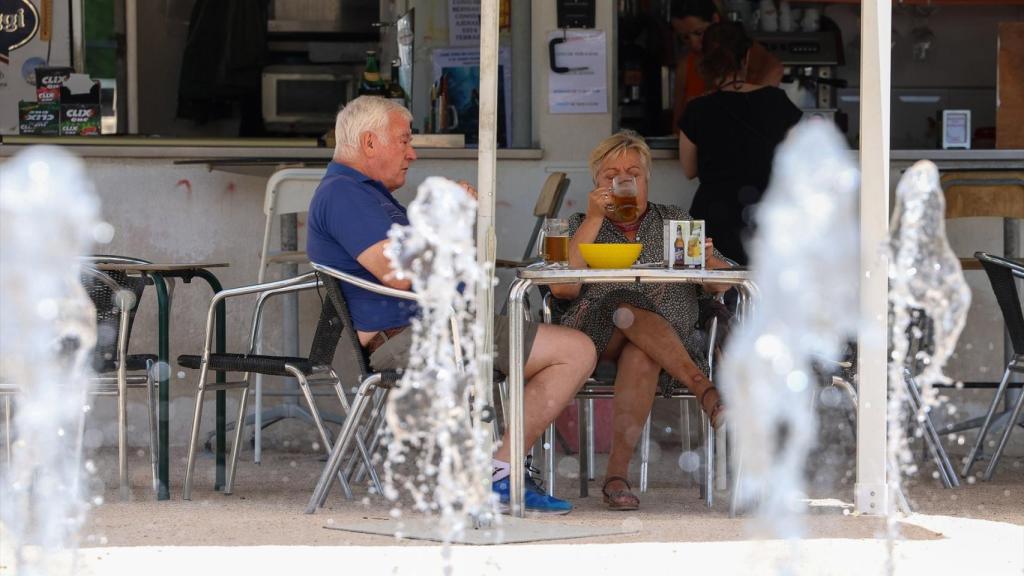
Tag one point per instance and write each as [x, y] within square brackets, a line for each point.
[809, 62]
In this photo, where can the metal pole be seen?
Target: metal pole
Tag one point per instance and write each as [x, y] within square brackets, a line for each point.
[486, 186]
[870, 492]
[131, 24]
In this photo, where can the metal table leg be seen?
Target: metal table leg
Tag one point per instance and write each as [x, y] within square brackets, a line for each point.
[221, 407]
[517, 486]
[163, 377]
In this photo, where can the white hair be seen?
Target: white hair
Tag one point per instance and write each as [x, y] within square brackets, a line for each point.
[364, 114]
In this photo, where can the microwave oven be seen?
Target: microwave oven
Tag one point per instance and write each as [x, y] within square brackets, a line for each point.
[305, 98]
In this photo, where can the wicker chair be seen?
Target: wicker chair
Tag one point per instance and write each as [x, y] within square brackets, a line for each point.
[601, 385]
[314, 370]
[369, 381]
[116, 297]
[1003, 274]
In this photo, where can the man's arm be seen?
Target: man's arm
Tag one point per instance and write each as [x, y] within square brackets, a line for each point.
[374, 260]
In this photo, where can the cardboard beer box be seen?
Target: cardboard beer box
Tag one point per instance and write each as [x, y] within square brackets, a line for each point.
[36, 119]
[684, 244]
[49, 81]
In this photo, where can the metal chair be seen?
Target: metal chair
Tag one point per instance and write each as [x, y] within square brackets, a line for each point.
[1003, 274]
[314, 370]
[549, 202]
[601, 385]
[369, 380]
[288, 193]
[115, 296]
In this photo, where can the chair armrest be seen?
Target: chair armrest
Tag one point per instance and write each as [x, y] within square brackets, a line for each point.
[257, 315]
[303, 281]
[545, 309]
[365, 284]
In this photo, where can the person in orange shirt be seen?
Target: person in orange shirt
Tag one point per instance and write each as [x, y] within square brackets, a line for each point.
[690, 18]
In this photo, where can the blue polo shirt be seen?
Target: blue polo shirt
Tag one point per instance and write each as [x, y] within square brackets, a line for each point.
[349, 213]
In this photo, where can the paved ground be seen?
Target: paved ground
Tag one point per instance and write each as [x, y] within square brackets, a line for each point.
[266, 508]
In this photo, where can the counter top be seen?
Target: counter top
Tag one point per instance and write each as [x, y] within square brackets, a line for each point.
[944, 158]
[247, 151]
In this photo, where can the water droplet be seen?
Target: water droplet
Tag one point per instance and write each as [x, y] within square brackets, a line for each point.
[623, 318]
[316, 446]
[181, 374]
[46, 309]
[689, 461]
[103, 233]
[569, 467]
[330, 520]
[97, 501]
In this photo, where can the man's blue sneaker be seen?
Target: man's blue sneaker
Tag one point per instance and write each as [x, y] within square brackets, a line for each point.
[536, 499]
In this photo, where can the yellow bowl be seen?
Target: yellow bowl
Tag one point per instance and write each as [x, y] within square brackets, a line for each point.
[610, 255]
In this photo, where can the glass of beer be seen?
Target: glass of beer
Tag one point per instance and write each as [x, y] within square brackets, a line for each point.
[555, 248]
[624, 192]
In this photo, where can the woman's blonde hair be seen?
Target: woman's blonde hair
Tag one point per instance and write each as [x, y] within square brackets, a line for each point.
[615, 146]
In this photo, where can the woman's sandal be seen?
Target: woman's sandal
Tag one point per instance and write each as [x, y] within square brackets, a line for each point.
[619, 499]
[716, 410]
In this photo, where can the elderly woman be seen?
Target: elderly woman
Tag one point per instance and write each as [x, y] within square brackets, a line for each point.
[644, 328]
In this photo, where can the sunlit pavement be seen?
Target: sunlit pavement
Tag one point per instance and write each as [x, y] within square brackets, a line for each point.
[966, 547]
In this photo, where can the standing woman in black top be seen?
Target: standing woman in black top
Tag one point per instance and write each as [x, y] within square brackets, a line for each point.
[728, 138]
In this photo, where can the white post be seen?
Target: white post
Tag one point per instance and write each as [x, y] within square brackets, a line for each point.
[486, 185]
[870, 492]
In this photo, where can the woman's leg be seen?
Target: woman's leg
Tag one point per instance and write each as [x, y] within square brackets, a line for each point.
[635, 385]
[651, 333]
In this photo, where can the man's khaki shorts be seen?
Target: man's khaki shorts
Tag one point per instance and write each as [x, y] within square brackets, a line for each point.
[394, 353]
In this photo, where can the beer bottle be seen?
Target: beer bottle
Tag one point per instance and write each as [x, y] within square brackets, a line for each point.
[395, 92]
[371, 83]
[679, 245]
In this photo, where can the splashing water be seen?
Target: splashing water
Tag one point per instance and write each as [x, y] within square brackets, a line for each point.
[929, 298]
[47, 331]
[804, 259]
[430, 414]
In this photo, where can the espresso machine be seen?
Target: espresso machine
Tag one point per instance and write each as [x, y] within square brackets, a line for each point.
[809, 62]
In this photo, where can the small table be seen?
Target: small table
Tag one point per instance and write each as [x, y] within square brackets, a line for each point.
[741, 278]
[158, 272]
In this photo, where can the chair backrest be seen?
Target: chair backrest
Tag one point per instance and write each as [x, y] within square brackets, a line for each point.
[100, 286]
[341, 336]
[984, 194]
[1002, 273]
[549, 202]
[290, 191]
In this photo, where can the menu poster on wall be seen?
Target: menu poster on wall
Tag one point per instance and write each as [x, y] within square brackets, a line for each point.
[34, 34]
[460, 68]
[464, 22]
[581, 84]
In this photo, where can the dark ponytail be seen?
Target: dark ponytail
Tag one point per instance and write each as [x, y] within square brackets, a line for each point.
[725, 48]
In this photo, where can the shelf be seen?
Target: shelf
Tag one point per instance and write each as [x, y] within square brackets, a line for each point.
[923, 2]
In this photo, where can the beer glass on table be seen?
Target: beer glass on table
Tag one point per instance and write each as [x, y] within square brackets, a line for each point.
[624, 192]
[555, 248]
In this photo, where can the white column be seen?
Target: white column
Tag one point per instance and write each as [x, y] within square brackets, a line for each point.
[870, 492]
[486, 186]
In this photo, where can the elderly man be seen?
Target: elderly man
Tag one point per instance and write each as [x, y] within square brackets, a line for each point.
[349, 218]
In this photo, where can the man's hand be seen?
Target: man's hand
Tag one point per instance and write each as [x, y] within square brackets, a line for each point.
[468, 188]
